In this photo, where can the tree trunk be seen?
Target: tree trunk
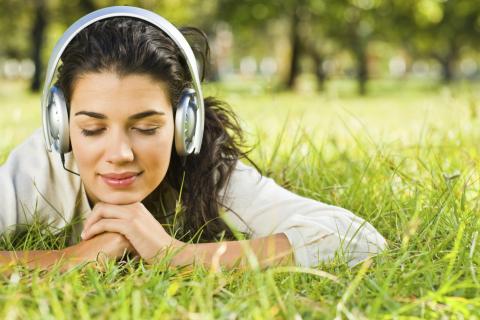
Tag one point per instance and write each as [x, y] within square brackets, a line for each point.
[447, 64]
[295, 45]
[362, 69]
[447, 72]
[37, 37]
[212, 73]
[319, 72]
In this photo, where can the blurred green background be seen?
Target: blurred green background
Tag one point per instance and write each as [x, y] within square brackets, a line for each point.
[292, 44]
[391, 68]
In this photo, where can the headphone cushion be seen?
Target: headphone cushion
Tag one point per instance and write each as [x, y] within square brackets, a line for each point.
[185, 123]
[57, 121]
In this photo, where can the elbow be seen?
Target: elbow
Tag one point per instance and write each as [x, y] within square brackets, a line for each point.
[366, 244]
[351, 248]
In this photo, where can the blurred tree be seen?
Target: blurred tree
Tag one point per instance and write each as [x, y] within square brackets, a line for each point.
[312, 23]
[253, 17]
[296, 11]
[315, 41]
[353, 24]
[437, 29]
[37, 37]
[61, 14]
[22, 32]
[15, 18]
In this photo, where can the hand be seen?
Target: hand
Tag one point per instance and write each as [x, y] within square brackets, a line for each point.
[135, 222]
[106, 245]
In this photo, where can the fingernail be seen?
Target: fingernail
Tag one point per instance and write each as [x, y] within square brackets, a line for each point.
[82, 235]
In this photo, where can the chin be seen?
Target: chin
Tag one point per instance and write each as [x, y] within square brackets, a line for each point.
[121, 198]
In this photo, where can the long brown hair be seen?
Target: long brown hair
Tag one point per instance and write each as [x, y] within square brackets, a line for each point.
[131, 46]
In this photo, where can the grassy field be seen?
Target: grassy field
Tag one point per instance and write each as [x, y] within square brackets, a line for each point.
[406, 158]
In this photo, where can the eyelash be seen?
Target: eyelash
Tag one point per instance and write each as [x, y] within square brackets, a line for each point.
[148, 132]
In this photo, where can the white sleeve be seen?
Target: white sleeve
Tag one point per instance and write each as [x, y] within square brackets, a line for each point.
[33, 183]
[316, 231]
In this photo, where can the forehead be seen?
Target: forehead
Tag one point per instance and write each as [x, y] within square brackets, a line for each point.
[107, 92]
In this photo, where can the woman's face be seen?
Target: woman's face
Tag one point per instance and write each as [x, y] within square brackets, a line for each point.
[121, 130]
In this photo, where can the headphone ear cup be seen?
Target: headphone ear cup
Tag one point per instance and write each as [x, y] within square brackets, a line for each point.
[185, 123]
[57, 121]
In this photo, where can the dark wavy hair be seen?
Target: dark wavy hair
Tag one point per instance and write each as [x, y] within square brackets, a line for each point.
[130, 46]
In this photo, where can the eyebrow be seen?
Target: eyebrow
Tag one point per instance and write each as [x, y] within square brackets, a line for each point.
[136, 116]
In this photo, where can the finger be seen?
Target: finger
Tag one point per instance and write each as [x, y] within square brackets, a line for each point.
[93, 216]
[106, 225]
[104, 211]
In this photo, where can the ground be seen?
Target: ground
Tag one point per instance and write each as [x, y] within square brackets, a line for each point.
[405, 158]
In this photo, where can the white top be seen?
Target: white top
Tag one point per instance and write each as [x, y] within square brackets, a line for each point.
[33, 180]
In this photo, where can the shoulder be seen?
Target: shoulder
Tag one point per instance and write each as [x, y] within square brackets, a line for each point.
[247, 187]
[33, 181]
[27, 158]
[251, 199]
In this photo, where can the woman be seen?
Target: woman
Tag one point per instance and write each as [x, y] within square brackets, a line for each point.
[122, 79]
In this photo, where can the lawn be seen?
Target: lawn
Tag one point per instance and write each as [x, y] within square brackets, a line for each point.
[406, 158]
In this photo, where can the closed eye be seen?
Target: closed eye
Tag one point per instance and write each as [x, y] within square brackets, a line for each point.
[89, 133]
[149, 131]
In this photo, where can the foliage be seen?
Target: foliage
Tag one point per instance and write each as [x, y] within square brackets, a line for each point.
[436, 29]
[311, 30]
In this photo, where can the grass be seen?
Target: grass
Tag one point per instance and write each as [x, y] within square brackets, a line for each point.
[405, 158]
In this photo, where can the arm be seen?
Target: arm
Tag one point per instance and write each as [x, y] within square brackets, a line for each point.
[268, 251]
[317, 232]
[112, 245]
[34, 258]
[151, 241]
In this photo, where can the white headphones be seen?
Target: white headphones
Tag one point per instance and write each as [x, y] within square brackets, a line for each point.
[190, 113]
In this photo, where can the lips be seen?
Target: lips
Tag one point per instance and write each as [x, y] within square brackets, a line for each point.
[122, 175]
[120, 180]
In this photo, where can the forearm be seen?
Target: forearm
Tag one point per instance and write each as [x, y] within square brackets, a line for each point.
[106, 245]
[32, 259]
[268, 251]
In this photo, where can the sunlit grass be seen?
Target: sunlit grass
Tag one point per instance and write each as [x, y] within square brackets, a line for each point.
[406, 160]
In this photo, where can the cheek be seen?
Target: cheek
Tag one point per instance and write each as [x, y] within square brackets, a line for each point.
[155, 154]
[85, 153]
[88, 155]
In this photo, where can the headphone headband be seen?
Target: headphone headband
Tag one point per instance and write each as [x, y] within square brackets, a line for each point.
[141, 14]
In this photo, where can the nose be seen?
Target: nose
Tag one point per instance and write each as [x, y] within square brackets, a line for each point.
[119, 149]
